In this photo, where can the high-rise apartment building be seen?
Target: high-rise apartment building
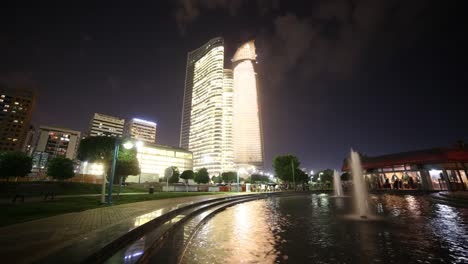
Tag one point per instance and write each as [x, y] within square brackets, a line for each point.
[58, 141]
[247, 133]
[141, 130]
[104, 125]
[29, 141]
[202, 112]
[53, 142]
[16, 108]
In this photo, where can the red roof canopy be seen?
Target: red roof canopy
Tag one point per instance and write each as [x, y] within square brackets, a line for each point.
[430, 156]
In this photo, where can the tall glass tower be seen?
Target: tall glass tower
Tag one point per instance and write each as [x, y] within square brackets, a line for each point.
[202, 113]
[247, 133]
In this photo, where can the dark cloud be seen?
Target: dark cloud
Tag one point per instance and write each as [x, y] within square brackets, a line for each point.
[189, 10]
[331, 41]
[339, 36]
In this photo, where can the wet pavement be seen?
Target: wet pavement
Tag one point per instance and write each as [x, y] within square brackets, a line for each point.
[82, 232]
[316, 228]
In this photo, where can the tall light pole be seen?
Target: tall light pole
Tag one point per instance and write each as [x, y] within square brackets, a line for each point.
[127, 145]
[239, 171]
[292, 168]
[114, 160]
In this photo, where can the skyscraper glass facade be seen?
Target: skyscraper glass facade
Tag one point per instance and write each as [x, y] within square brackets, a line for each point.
[220, 115]
[247, 134]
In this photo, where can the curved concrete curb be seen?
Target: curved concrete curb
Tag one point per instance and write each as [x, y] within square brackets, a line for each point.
[110, 249]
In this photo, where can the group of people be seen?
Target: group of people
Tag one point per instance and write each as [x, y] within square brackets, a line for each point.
[398, 184]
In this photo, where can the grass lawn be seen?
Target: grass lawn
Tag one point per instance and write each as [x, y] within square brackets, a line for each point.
[7, 189]
[22, 212]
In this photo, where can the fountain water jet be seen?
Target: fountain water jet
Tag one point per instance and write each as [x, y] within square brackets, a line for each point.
[337, 184]
[360, 190]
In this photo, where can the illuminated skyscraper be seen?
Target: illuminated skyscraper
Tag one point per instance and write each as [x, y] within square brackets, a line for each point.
[220, 115]
[247, 133]
[228, 140]
[202, 113]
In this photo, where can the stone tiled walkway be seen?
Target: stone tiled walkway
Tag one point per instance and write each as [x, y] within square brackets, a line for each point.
[31, 241]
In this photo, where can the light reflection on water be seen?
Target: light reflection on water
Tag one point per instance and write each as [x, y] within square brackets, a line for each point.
[311, 228]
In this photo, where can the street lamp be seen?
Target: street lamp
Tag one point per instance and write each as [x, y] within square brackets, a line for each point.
[126, 145]
[239, 171]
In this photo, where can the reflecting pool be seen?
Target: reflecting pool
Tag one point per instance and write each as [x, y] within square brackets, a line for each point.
[313, 228]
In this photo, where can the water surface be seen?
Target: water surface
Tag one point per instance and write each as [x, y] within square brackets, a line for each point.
[315, 229]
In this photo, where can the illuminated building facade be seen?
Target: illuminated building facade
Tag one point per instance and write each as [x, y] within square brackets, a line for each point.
[202, 113]
[58, 141]
[53, 142]
[155, 159]
[104, 125]
[141, 130]
[228, 140]
[16, 108]
[247, 133]
[221, 122]
[434, 169]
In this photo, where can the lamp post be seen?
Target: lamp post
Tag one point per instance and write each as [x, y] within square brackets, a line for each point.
[114, 160]
[127, 145]
[237, 182]
[292, 168]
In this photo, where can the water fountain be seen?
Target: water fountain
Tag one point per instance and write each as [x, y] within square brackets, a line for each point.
[337, 184]
[360, 190]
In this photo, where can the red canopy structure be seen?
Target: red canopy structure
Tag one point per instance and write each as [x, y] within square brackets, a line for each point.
[429, 156]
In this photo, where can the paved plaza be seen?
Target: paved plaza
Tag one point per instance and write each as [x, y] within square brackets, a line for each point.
[31, 241]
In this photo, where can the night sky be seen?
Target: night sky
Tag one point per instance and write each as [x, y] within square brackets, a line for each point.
[378, 76]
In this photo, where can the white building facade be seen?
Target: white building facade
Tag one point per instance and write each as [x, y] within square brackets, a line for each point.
[220, 115]
[247, 130]
[155, 159]
[141, 130]
[202, 118]
[105, 125]
[53, 142]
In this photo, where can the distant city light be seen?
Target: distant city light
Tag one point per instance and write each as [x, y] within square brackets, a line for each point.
[144, 121]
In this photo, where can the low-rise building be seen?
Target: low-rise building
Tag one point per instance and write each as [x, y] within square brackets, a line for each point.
[432, 169]
[154, 159]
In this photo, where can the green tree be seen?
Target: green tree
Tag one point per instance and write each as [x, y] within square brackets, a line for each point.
[124, 168]
[202, 176]
[14, 164]
[301, 176]
[228, 177]
[324, 176]
[258, 178]
[97, 149]
[217, 179]
[345, 176]
[187, 175]
[284, 169]
[60, 168]
[101, 149]
[175, 175]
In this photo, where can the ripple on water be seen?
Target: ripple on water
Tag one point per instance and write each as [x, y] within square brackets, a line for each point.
[314, 229]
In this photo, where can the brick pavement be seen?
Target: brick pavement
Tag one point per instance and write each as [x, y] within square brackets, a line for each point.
[30, 241]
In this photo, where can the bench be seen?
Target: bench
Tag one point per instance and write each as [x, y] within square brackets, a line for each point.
[33, 190]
